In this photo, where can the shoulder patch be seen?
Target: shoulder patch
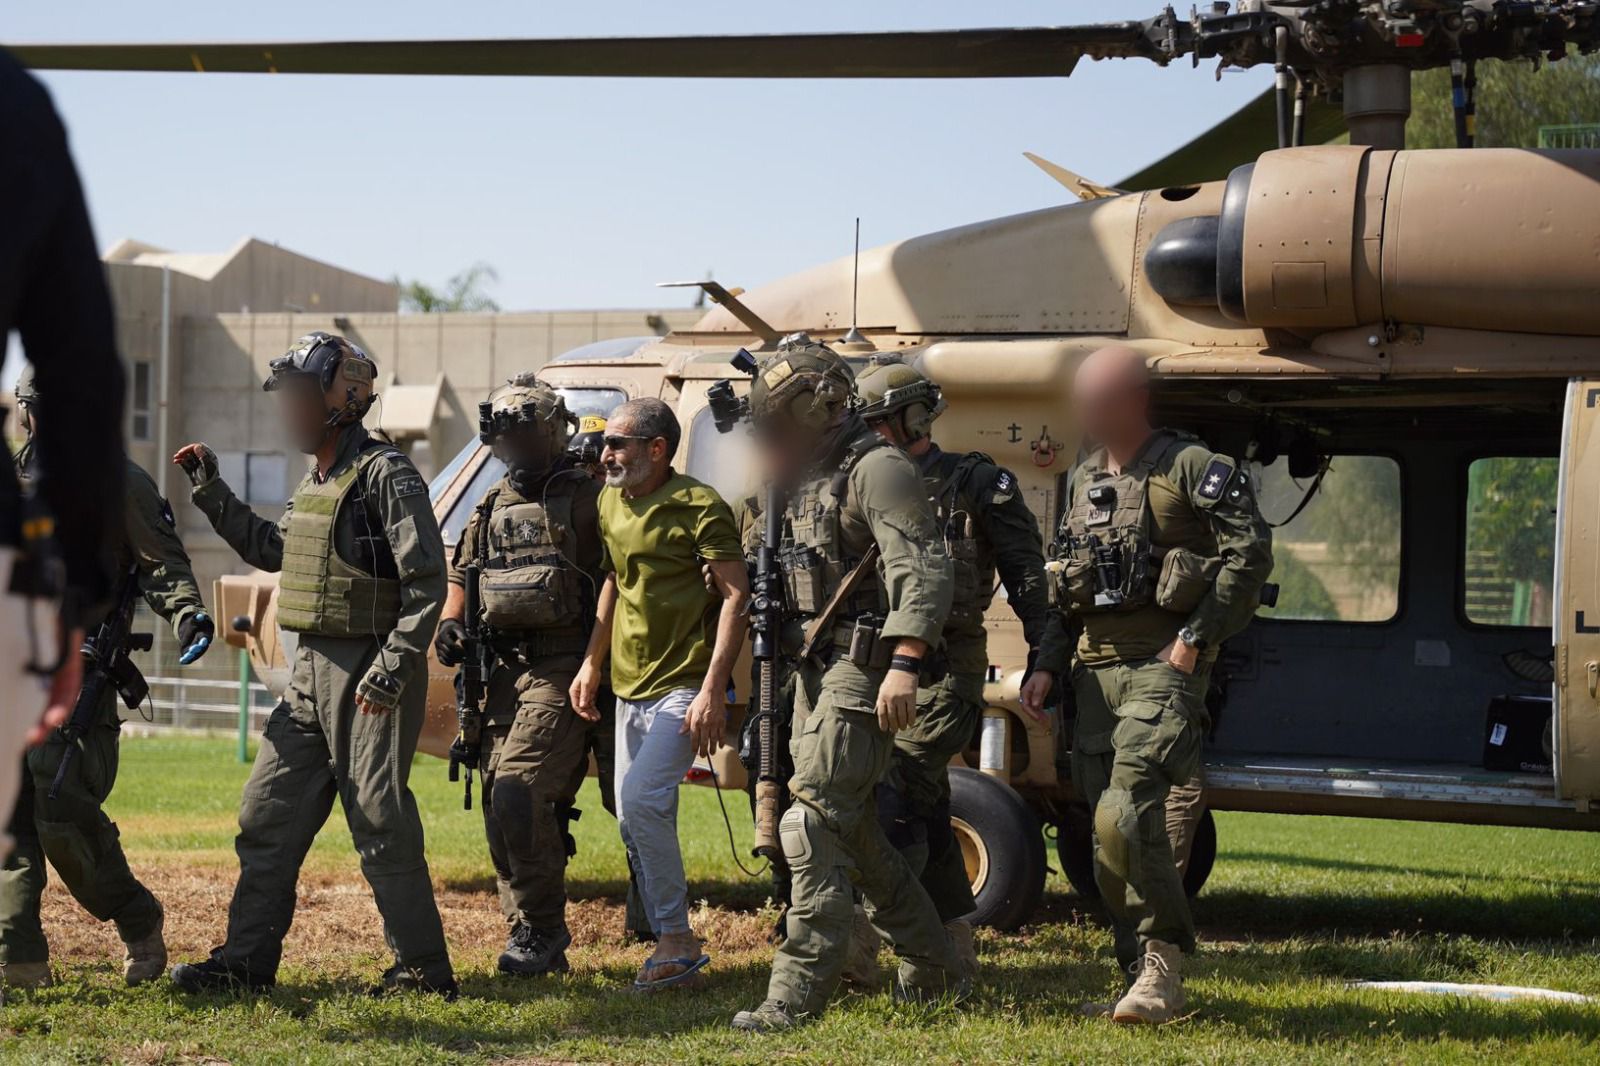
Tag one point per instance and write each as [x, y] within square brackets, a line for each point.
[1004, 484]
[409, 483]
[1215, 479]
[167, 515]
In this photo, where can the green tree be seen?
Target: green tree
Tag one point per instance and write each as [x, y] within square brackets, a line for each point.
[463, 292]
[1513, 100]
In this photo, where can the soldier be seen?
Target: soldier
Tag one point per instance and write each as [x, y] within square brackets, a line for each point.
[987, 527]
[536, 538]
[865, 567]
[71, 830]
[363, 580]
[1161, 555]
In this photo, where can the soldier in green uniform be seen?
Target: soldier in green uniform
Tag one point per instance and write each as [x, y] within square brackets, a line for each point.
[987, 528]
[363, 581]
[1161, 554]
[72, 831]
[536, 538]
[865, 569]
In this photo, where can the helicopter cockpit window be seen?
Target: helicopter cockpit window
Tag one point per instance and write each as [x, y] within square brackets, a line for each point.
[721, 460]
[455, 520]
[1338, 560]
[592, 401]
[1511, 538]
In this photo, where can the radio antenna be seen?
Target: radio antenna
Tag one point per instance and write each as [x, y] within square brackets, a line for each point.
[854, 338]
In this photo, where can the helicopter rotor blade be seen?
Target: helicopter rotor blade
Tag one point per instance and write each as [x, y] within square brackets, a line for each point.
[977, 53]
[1236, 140]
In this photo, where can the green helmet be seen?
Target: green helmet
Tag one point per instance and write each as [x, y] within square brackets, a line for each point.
[803, 379]
[892, 388]
[526, 401]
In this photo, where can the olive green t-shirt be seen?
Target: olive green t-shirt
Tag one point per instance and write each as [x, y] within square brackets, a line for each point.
[665, 621]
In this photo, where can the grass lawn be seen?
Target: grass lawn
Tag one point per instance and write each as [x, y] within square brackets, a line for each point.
[1296, 908]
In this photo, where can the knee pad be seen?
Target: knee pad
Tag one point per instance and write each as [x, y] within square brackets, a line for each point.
[1116, 830]
[805, 839]
[514, 812]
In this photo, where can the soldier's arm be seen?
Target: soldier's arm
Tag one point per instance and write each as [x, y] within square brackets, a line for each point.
[1013, 534]
[1222, 494]
[916, 570]
[257, 541]
[165, 575]
[399, 496]
[1055, 644]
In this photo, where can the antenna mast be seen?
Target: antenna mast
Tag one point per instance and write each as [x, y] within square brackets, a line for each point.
[854, 339]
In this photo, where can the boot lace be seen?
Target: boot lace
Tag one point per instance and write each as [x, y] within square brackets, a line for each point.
[1153, 971]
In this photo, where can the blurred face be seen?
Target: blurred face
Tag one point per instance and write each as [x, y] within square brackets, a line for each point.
[524, 448]
[629, 459]
[305, 418]
[1111, 396]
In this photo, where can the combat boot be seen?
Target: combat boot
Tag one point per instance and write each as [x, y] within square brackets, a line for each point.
[145, 959]
[772, 1016]
[861, 962]
[26, 975]
[397, 979]
[534, 952]
[1157, 993]
[215, 975]
[966, 949]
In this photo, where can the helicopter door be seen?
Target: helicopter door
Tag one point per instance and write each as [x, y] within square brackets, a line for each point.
[1577, 597]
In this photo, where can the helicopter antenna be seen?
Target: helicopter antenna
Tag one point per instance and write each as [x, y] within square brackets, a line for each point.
[853, 337]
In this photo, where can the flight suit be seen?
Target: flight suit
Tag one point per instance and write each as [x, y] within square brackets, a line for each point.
[987, 527]
[1192, 549]
[865, 492]
[542, 532]
[374, 606]
[72, 831]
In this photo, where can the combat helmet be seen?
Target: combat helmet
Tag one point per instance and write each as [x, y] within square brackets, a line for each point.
[525, 402]
[891, 389]
[589, 441]
[803, 379]
[345, 373]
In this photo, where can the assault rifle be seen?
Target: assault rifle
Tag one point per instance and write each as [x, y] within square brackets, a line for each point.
[727, 411]
[465, 750]
[106, 662]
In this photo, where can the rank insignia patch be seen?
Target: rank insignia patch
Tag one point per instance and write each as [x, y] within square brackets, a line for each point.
[1215, 479]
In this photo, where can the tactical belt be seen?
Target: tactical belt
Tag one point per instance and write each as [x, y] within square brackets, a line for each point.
[540, 645]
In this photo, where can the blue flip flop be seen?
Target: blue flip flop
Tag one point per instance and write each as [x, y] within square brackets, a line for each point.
[691, 967]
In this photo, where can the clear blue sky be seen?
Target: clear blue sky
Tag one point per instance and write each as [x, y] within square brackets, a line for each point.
[583, 193]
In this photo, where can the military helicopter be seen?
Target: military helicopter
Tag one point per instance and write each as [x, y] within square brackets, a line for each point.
[1402, 343]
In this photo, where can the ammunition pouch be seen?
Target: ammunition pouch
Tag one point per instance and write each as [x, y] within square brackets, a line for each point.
[1184, 580]
[1070, 582]
[1107, 572]
[805, 581]
[531, 592]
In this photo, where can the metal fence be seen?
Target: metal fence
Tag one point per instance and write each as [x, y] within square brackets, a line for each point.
[1576, 135]
[201, 696]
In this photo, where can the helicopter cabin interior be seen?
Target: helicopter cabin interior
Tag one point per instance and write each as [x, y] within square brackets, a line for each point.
[1408, 658]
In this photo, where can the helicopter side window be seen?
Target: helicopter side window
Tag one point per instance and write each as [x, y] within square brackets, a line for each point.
[1338, 560]
[456, 519]
[721, 460]
[1508, 576]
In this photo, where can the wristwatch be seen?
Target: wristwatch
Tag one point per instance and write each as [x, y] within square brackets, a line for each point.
[1191, 638]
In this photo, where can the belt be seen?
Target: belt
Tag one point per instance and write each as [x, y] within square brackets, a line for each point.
[539, 645]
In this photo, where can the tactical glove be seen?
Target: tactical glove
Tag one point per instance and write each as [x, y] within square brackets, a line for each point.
[199, 462]
[450, 643]
[195, 634]
[378, 693]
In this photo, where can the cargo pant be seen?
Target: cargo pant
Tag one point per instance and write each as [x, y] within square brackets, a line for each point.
[832, 841]
[1137, 734]
[533, 763]
[318, 747]
[914, 799]
[74, 835]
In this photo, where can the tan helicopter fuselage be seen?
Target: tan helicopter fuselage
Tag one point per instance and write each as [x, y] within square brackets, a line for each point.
[1339, 286]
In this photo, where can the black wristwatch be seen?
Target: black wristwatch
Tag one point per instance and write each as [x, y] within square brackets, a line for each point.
[1191, 638]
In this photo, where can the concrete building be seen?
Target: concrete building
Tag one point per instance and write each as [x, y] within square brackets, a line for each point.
[198, 330]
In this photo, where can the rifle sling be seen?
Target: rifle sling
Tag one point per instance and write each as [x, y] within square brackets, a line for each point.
[821, 624]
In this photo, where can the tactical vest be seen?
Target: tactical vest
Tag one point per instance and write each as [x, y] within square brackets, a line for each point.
[319, 592]
[531, 581]
[970, 559]
[814, 553]
[1104, 559]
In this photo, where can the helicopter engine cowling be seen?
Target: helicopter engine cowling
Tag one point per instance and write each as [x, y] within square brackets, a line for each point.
[1336, 237]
